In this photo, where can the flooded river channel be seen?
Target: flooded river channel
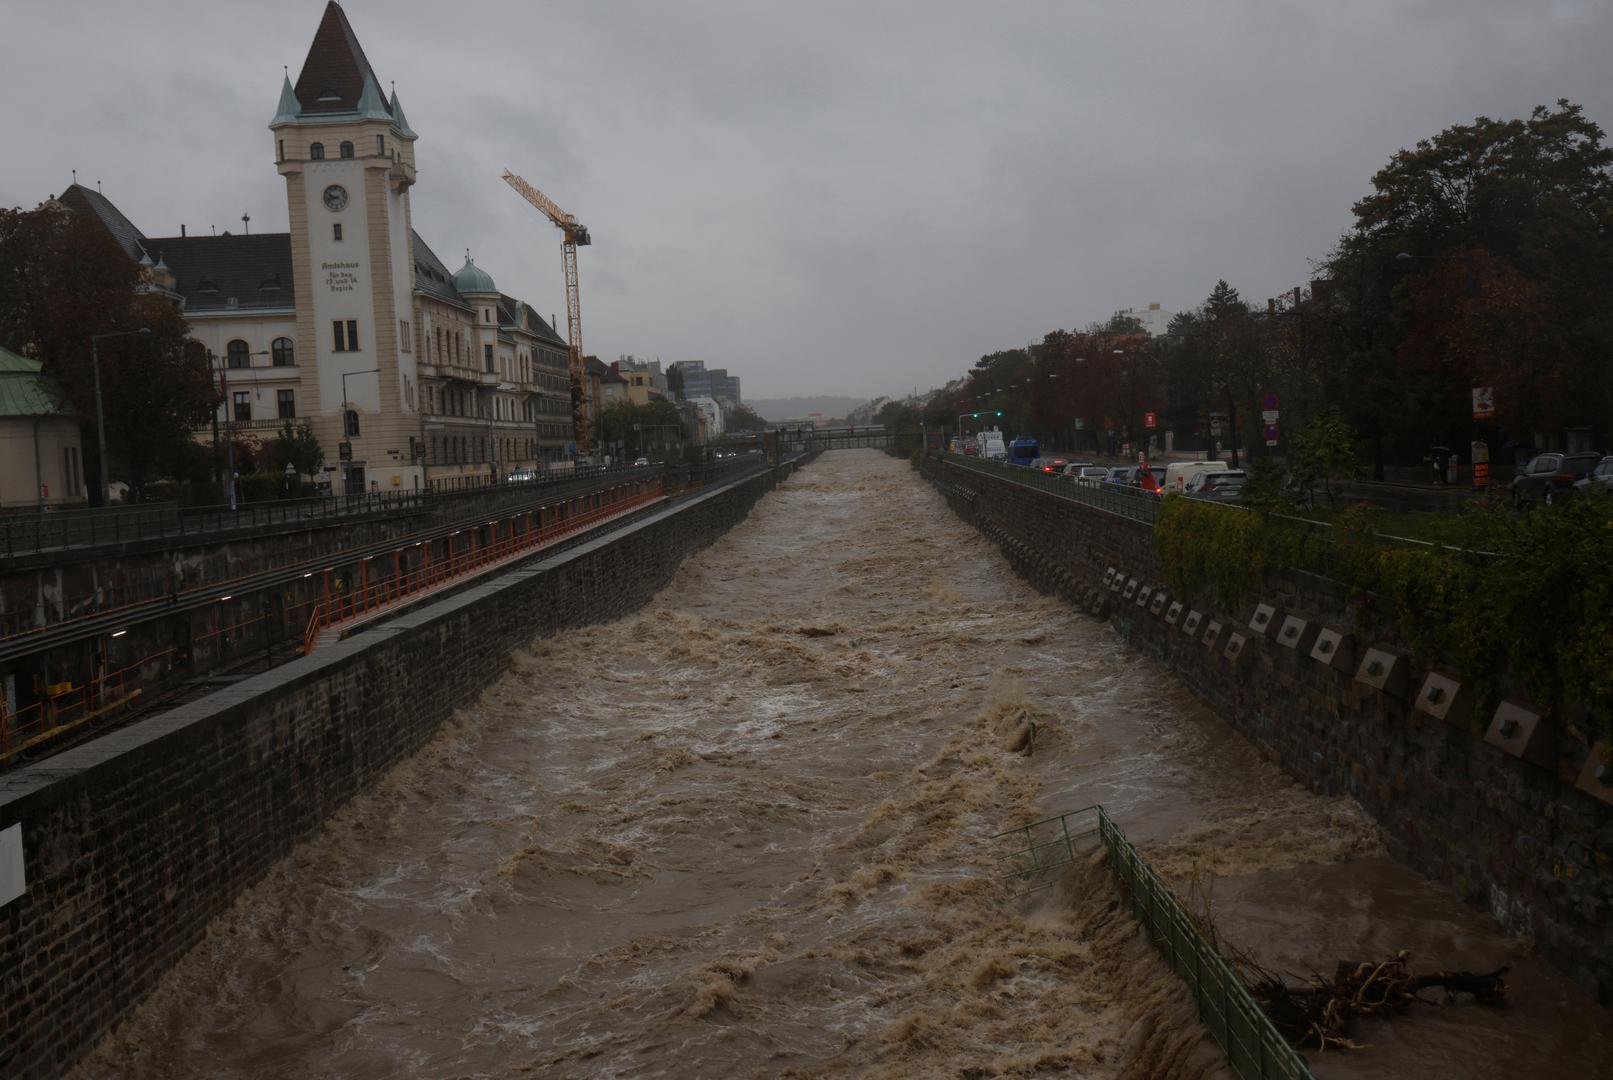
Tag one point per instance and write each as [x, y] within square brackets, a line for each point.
[745, 833]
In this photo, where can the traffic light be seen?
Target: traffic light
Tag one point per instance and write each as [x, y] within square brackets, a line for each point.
[975, 415]
[999, 412]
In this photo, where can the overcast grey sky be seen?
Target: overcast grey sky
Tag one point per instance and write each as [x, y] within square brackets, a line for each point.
[824, 197]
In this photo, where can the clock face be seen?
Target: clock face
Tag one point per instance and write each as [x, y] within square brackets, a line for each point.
[335, 197]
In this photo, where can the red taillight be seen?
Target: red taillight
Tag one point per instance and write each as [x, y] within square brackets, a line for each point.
[1565, 478]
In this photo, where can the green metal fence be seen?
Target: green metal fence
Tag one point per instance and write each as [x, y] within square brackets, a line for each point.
[1133, 503]
[1038, 855]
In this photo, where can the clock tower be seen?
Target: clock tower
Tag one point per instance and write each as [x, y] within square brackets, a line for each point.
[347, 154]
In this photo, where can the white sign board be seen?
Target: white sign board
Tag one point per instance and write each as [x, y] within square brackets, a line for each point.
[1269, 416]
[1483, 402]
[12, 883]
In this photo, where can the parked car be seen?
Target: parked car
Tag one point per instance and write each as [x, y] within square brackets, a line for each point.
[1178, 473]
[522, 476]
[640, 461]
[1225, 486]
[1600, 480]
[1073, 469]
[1548, 477]
[1087, 474]
[1048, 464]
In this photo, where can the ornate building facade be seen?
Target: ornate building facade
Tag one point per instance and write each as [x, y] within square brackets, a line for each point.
[409, 375]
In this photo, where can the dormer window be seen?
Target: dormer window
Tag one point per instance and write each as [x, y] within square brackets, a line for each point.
[347, 149]
[207, 284]
[328, 94]
[316, 151]
[271, 283]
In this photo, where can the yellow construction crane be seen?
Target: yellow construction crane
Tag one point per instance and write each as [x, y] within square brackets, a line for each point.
[574, 234]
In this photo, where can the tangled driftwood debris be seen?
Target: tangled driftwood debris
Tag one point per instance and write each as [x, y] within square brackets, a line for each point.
[1320, 1013]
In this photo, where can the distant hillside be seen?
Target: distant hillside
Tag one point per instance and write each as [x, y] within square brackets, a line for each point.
[776, 409]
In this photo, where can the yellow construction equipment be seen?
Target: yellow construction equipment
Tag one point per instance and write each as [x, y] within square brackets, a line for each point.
[574, 234]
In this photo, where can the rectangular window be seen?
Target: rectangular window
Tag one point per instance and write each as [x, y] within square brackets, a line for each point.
[403, 336]
[282, 156]
[439, 343]
[243, 405]
[380, 145]
[287, 401]
[336, 232]
[341, 335]
[487, 356]
[352, 335]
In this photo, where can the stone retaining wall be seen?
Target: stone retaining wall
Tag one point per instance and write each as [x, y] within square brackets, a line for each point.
[1517, 824]
[133, 843]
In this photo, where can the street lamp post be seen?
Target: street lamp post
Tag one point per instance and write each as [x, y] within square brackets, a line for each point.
[100, 423]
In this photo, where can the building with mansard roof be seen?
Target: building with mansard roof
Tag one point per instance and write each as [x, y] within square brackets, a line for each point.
[409, 374]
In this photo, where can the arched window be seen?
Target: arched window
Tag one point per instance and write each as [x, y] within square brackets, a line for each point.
[239, 354]
[347, 149]
[316, 151]
[284, 355]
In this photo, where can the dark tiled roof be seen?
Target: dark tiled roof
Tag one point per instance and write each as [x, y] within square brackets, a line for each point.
[332, 78]
[82, 200]
[208, 270]
[595, 366]
[530, 321]
[431, 276]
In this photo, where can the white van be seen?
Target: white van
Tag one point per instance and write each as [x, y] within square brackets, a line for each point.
[991, 445]
[1178, 473]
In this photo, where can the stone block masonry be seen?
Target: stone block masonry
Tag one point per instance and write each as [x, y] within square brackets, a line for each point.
[1515, 834]
[133, 843]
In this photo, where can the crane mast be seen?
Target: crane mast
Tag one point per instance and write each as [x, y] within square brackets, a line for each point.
[573, 233]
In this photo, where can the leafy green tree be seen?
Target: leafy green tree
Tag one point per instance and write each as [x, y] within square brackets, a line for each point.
[742, 418]
[296, 446]
[1324, 453]
[674, 381]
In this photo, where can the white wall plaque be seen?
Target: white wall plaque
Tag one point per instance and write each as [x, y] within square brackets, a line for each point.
[12, 883]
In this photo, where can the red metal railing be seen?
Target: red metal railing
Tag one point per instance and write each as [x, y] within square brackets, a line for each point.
[67, 709]
[510, 538]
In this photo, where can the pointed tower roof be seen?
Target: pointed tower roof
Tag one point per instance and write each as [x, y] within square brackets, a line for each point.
[399, 120]
[372, 104]
[336, 74]
[286, 111]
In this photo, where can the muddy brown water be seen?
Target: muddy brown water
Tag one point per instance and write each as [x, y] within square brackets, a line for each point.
[745, 832]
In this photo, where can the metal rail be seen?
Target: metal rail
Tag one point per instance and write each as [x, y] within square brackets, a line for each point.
[52, 635]
[409, 584]
[62, 530]
[1132, 503]
[1255, 1049]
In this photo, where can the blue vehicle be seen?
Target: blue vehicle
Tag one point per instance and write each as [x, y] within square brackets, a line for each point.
[1024, 450]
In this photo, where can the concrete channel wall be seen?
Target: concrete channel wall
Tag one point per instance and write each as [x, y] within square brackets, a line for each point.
[1519, 826]
[132, 844]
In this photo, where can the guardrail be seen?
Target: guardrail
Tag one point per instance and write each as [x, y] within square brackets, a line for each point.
[1255, 1049]
[405, 584]
[71, 706]
[1133, 503]
[62, 529]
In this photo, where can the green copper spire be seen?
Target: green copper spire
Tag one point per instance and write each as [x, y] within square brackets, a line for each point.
[289, 106]
[372, 103]
[402, 122]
